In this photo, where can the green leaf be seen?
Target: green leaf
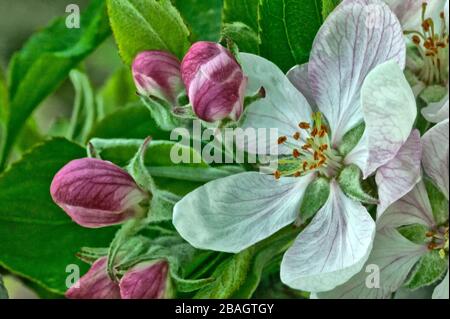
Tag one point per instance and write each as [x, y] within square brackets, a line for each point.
[203, 17]
[438, 201]
[230, 276]
[288, 29]
[415, 233]
[351, 139]
[315, 197]
[116, 93]
[38, 239]
[4, 111]
[350, 182]
[3, 292]
[244, 11]
[239, 275]
[245, 38]
[328, 6]
[133, 121]
[430, 268]
[140, 25]
[46, 59]
[266, 252]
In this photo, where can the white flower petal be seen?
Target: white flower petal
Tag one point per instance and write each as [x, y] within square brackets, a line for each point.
[355, 38]
[441, 291]
[389, 110]
[393, 256]
[332, 248]
[413, 208]
[282, 108]
[436, 112]
[399, 176]
[435, 155]
[299, 77]
[233, 213]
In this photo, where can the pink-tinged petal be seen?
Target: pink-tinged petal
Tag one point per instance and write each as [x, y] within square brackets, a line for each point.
[299, 77]
[332, 248]
[437, 112]
[393, 256]
[399, 176]
[413, 208]
[442, 290]
[435, 155]
[409, 12]
[281, 110]
[96, 193]
[389, 110]
[157, 73]
[355, 38]
[148, 280]
[95, 284]
[215, 82]
[235, 212]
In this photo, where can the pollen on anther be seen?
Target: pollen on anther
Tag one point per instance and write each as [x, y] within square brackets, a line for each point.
[416, 39]
[305, 165]
[304, 125]
[296, 136]
[297, 174]
[282, 139]
[277, 174]
[306, 147]
[296, 153]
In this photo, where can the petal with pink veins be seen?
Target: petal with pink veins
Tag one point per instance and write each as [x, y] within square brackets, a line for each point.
[355, 38]
[332, 248]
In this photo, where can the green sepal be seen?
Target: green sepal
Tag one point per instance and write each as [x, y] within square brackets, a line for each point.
[162, 113]
[438, 201]
[351, 139]
[415, 233]
[430, 268]
[315, 197]
[351, 183]
[433, 93]
[137, 168]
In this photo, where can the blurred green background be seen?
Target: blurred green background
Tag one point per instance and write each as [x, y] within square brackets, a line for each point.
[19, 19]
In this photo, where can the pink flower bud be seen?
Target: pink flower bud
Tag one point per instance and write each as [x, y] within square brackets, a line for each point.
[147, 280]
[96, 193]
[158, 74]
[95, 284]
[214, 81]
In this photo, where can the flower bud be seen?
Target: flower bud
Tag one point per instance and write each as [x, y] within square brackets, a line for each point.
[214, 81]
[157, 73]
[96, 193]
[95, 284]
[147, 280]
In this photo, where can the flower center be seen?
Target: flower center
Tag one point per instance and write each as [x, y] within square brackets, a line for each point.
[439, 240]
[311, 151]
[432, 45]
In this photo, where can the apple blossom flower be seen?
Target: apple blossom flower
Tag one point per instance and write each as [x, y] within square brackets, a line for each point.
[396, 255]
[96, 193]
[95, 284]
[157, 73]
[354, 76]
[147, 280]
[214, 81]
[426, 25]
